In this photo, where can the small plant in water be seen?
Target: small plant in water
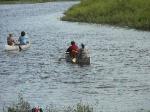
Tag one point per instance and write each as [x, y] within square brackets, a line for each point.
[21, 106]
[83, 108]
[24, 106]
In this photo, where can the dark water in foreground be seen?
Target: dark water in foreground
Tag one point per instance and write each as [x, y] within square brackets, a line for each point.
[116, 81]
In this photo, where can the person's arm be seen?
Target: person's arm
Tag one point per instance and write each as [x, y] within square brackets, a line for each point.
[68, 50]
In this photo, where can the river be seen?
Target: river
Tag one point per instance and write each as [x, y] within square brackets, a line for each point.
[118, 79]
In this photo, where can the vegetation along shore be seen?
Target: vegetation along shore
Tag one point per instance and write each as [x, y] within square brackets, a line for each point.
[131, 13]
[23, 106]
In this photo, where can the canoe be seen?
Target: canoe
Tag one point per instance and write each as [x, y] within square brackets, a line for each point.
[84, 61]
[16, 47]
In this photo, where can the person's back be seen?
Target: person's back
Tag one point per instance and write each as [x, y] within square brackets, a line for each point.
[10, 40]
[82, 52]
[83, 57]
[23, 39]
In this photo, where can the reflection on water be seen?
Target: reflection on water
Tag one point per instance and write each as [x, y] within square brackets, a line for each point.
[117, 79]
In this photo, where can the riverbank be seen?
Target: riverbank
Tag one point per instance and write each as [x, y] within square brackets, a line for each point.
[24, 106]
[28, 1]
[131, 13]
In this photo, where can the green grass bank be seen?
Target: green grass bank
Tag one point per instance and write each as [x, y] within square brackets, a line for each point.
[131, 13]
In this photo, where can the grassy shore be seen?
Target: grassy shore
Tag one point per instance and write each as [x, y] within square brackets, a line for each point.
[28, 1]
[23, 106]
[131, 13]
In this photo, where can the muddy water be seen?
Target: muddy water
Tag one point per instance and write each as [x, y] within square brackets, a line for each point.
[116, 81]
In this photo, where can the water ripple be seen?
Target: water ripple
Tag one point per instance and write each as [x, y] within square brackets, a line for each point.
[117, 79]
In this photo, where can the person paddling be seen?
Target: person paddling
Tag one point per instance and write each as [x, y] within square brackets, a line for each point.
[73, 50]
[83, 57]
[82, 52]
[23, 39]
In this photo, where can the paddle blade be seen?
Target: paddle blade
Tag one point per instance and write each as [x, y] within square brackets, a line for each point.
[74, 60]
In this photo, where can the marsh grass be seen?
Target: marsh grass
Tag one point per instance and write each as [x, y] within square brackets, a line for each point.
[83, 108]
[20, 106]
[131, 13]
[23, 106]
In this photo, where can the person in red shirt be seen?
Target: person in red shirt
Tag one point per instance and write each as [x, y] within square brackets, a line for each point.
[73, 50]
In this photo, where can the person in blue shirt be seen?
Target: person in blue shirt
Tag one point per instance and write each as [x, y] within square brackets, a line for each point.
[23, 39]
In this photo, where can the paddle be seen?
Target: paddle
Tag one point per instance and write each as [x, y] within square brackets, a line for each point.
[20, 49]
[17, 44]
[62, 57]
[74, 60]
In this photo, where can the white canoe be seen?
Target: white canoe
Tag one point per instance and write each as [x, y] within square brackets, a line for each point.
[16, 47]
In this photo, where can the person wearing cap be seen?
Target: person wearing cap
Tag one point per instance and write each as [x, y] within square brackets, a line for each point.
[23, 39]
[73, 50]
[10, 40]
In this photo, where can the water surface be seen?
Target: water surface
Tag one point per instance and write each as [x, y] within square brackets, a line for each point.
[116, 81]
